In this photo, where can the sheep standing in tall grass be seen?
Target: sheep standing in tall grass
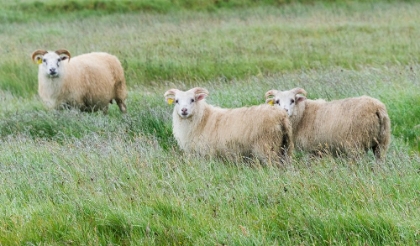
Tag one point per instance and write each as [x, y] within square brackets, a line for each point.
[258, 131]
[88, 82]
[350, 126]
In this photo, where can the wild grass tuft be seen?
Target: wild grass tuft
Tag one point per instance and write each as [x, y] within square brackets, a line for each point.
[404, 117]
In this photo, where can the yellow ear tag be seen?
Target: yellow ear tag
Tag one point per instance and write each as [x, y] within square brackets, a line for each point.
[170, 101]
[39, 61]
[271, 102]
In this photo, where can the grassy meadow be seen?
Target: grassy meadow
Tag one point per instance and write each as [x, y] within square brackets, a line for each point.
[72, 178]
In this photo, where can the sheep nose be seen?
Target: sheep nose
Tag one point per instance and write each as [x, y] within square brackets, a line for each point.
[184, 111]
[52, 71]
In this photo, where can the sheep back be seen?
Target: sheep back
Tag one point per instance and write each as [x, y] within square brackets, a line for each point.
[349, 126]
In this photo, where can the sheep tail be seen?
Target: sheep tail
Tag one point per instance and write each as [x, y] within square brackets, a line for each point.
[384, 136]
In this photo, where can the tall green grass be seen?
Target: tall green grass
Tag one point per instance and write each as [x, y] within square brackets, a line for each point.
[197, 46]
[101, 7]
[102, 190]
[91, 179]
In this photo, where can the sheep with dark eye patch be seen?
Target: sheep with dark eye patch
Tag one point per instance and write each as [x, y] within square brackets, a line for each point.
[350, 126]
[261, 132]
[89, 82]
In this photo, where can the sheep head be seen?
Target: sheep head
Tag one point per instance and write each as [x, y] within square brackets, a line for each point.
[286, 100]
[185, 101]
[50, 61]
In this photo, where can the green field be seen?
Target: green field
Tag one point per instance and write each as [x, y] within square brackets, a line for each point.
[72, 178]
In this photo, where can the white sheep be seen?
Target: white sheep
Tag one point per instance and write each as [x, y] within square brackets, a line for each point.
[350, 126]
[88, 82]
[260, 131]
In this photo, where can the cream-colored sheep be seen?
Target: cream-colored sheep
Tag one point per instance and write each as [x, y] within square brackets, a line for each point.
[351, 126]
[260, 131]
[88, 82]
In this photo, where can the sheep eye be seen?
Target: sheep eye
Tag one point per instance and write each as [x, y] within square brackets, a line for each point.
[277, 101]
[292, 101]
[176, 101]
[44, 60]
[192, 100]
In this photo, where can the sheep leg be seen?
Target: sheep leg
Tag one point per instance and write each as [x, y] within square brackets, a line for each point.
[120, 95]
[105, 110]
[121, 105]
[65, 106]
[377, 151]
[267, 154]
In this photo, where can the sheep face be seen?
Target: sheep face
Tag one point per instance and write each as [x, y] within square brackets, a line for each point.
[50, 61]
[185, 101]
[286, 100]
[51, 64]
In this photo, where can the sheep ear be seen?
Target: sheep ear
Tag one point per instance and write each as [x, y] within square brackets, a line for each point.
[37, 55]
[300, 98]
[200, 96]
[170, 96]
[270, 101]
[170, 101]
[200, 93]
[63, 53]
